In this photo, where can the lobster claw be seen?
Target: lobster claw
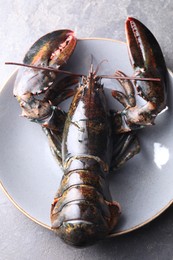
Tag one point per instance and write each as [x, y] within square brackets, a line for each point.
[147, 60]
[148, 63]
[51, 50]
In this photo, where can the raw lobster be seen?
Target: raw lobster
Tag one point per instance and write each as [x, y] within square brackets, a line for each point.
[83, 211]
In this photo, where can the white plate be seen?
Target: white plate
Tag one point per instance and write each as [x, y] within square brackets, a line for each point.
[30, 176]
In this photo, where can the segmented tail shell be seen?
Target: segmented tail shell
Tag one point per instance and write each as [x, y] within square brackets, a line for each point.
[80, 213]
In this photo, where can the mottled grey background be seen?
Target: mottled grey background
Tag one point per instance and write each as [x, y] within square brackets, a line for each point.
[23, 22]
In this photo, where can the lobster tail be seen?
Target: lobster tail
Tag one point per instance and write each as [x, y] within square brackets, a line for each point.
[80, 223]
[80, 213]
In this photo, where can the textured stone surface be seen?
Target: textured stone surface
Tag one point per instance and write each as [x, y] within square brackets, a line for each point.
[22, 22]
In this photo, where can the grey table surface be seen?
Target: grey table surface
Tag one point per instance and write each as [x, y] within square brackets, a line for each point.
[23, 22]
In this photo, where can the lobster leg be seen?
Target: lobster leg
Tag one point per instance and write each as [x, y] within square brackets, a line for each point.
[124, 149]
[148, 62]
[54, 127]
[57, 94]
[60, 91]
[127, 99]
[55, 144]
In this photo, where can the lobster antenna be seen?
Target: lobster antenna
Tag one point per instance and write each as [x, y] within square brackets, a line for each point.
[91, 65]
[44, 68]
[130, 78]
[80, 75]
[99, 65]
